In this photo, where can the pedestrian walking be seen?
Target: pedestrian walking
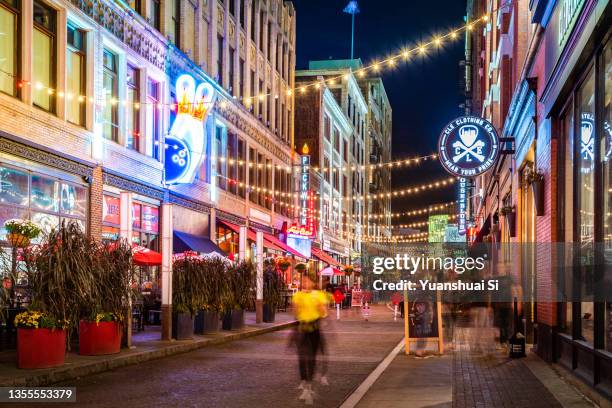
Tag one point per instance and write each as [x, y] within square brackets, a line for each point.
[310, 308]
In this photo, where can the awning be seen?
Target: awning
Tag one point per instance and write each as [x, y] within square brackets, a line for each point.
[484, 230]
[282, 245]
[331, 271]
[188, 242]
[252, 235]
[325, 257]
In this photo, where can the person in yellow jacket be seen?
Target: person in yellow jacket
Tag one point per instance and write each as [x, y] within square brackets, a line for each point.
[310, 307]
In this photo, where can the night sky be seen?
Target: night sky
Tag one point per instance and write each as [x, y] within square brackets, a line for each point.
[424, 93]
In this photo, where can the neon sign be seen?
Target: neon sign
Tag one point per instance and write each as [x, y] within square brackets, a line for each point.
[304, 188]
[468, 146]
[186, 144]
[462, 204]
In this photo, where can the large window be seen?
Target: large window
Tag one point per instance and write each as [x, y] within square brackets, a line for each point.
[155, 13]
[230, 64]
[153, 118]
[110, 126]
[175, 27]
[75, 76]
[45, 200]
[606, 154]
[585, 183]
[9, 45]
[43, 56]
[219, 147]
[132, 106]
[220, 60]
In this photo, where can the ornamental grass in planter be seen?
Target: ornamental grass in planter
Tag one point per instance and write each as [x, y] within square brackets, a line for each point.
[59, 270]
[104, 318]
[212, 288]
[241, 281]
[185, 297]
[272, 293]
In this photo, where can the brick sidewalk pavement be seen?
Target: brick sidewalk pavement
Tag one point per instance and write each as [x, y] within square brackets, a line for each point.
[484, 376]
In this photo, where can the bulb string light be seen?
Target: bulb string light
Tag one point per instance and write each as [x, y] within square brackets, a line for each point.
[375, 67]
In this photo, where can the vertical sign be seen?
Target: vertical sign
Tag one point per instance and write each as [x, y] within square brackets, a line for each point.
[437, 227]
[462, 206]
[304, 189]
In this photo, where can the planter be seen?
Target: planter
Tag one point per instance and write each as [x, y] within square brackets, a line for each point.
[206, 322]
[233, 320]
[96, 339]
[182, 326]
[269, 313]
[511, 221]
[537, 187]
[18, 240]
[40, 348]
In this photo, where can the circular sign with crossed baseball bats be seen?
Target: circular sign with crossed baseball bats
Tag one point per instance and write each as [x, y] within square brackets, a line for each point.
[468, 146]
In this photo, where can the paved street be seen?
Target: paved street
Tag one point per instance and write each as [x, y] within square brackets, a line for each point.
[260, 371]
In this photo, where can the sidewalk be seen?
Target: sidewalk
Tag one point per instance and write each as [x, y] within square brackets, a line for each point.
[478, 373]
[147, 346]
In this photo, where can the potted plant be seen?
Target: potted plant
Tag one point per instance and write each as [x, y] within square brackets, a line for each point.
[212, 287]
[19, 233]
[510, 214]
[101, 328]
[348, 270]
[301, 267]
[272, 293]
[41, 340]
[184, 298]
[536, 181]
[59, 275]
[241, 279]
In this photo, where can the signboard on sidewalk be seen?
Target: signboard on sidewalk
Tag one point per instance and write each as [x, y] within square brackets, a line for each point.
[423, 318]
[356, 297]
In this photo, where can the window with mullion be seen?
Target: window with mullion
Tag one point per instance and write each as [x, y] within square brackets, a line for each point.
[132, 109]
[75, 76]
[110, 124]
[44, 56]
[9, 46]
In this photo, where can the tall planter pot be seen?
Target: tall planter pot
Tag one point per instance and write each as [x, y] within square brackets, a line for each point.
[233, 320]
[40, 348]
[269, 313]
[97, 339]
[182, 326]
[537, 187]
[511, 220]
[206, 322]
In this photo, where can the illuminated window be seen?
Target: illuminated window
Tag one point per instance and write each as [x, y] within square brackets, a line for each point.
[9, 45]
[133, 109]
[110, 125]
[75, 76]
[44, 56]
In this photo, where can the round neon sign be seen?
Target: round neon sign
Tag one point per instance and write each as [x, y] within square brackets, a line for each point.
[468, 146]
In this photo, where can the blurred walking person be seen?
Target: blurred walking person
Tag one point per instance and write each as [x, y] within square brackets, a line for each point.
[310, 308]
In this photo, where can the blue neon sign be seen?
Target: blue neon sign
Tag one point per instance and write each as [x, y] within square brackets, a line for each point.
[186, 143]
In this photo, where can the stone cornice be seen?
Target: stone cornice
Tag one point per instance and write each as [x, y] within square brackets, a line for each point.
[188, 203]
[130, 185]
[224, 216]
[45, 158]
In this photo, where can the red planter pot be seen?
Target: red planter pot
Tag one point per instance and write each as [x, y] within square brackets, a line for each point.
[40, 348]
[99, 338]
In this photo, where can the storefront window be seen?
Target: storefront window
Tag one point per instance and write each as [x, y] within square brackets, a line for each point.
[44, 200]
[606, 153]
[13, 186]
[585, 183]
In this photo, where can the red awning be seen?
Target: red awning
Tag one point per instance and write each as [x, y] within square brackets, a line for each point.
[282, 245]
[252, 235]
[325, 257]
